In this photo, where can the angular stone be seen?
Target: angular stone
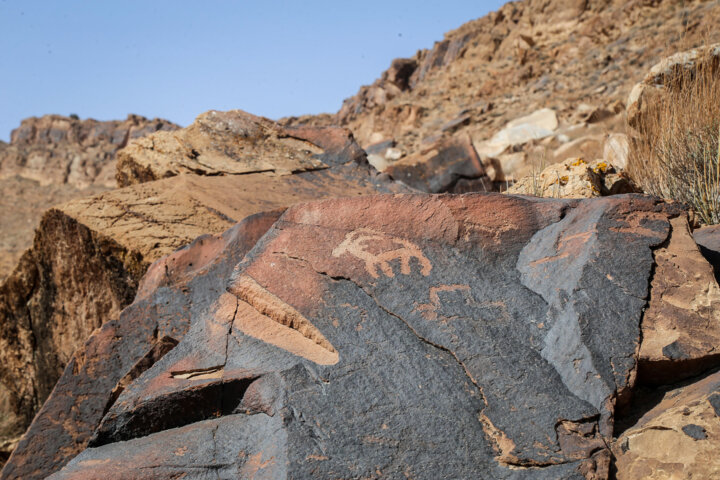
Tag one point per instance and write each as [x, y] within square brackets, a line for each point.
[418, 305]
[616, 150]
[51, 160]
[537, 125]
[574, 178]
[90, 254]
[681, 327]
[448, 165]
[175, 291]
[678, 437]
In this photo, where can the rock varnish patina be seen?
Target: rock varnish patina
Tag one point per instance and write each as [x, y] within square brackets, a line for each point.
[397, 336]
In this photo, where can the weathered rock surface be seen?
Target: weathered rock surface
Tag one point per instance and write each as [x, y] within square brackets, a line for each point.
[684, 296]
[438, 313]
[60, 150]
[22, 205]
[176, 291]
[235, 142]
[90, 254]
[51, 160]
[537, 125]
[449, 165]
[678, 438]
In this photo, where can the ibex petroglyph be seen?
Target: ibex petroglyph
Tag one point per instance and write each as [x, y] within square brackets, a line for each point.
[359, 242]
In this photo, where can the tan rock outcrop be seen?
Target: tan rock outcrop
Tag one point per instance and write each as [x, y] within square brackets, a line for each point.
[51, 160]
[579, 58]
[677, 439]
[60, 150]
[663, 74]
[681, 327]
[233, 143]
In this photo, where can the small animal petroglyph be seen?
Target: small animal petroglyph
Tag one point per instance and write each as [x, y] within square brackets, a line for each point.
[359, 243]
[430, 310]
[451, 302]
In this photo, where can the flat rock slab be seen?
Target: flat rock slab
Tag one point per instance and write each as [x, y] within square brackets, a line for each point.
[474, 336]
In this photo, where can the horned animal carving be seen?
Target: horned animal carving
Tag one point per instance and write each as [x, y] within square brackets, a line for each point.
[359, 242]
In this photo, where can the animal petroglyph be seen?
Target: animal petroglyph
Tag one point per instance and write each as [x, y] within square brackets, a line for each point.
[360, 242]
[452, 302]
[430, 310]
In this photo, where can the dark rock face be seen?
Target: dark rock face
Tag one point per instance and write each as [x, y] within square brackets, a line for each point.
[176, 290]
[477, 336]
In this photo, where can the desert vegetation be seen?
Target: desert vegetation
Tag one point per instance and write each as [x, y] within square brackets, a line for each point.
[674, 150]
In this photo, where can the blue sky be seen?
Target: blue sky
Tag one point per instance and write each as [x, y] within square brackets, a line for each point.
[176, 59]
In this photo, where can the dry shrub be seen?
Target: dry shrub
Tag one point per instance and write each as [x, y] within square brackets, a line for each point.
[674, 148]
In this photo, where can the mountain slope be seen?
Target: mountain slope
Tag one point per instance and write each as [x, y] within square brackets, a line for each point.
[579, 58]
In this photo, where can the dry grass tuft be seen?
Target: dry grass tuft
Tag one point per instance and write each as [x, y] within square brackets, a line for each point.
[674, 148]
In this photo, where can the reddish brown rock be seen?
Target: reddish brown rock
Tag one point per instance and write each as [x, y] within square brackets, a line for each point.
[52, 160]
[449, 165]
[175, 290]
[90, 254]
[418, 305]
[681, 327]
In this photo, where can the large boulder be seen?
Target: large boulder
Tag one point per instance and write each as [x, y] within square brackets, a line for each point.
[177, 289]
[450, 164]
[232, 143]
[89, 255]
[379, 336]
[539, 124]
[574, 178]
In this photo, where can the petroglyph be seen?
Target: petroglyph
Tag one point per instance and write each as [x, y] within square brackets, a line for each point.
[452, 302]
[430, 310]
[359, 242]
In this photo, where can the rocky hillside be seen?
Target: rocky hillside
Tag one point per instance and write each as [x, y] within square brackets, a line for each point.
[51, 160]
[534, 83]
